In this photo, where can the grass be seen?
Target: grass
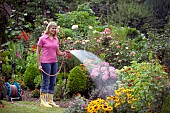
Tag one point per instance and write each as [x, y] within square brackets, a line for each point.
[27, 107]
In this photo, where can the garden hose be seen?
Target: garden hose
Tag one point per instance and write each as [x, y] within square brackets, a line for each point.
[57, 71]
[12, 91]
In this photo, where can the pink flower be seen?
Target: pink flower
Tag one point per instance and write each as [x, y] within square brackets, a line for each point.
[94, 73]
[111, 69]
[103, 69]
[118, 46]
[116, 42]
[105, 77]
[18, 55]
[18, 37]
[106, 31]
[112, 75]
[82, 106]
[105, 63]
[109, 37]
[98, 40]
[74, 43]
[132, 53]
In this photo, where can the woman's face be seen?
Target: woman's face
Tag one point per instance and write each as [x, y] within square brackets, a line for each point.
[53, 30]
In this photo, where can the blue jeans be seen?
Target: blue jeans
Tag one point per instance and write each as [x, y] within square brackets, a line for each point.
[48, 82]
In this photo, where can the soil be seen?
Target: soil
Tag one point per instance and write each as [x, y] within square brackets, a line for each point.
[26, 96]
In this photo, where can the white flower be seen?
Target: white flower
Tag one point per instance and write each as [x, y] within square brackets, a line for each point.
[45, 22]
[87, 41]
[68, 38]
[90, 27]
[74, 27]
[94, 31]
[126, 48]
[83, 43]
[117, 53]
[58, 27]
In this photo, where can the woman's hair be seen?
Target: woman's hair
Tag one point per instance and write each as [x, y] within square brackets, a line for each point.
[49, 25]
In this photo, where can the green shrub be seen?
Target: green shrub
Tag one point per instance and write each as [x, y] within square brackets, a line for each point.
[77, 81]
[30, 74]
[148, 81]
[35, 93]
[38, 81]
[60, 88]
[166, 105]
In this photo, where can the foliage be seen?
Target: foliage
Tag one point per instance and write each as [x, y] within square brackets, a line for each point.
[159, 44]
[123, 102]
[35, 93]
[166, 103]
[60, 88]
[81, 17]
[148, 81]
[77, 81]
[119, 45]
[78, 105]
[30, 74]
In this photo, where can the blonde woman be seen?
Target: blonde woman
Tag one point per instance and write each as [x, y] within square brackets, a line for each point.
[48, 44]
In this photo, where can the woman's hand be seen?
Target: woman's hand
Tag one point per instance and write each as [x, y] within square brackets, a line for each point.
[40, 67]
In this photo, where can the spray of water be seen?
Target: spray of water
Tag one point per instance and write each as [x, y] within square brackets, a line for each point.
[102, 74]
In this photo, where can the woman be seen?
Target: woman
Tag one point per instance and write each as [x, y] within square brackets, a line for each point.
[48, 62]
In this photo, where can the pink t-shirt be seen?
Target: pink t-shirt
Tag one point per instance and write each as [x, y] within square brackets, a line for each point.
[49, 48]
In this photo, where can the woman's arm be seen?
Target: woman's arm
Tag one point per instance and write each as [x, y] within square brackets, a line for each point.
[60, 53]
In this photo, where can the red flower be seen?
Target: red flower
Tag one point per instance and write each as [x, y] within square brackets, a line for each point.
[68, 54]
[2, 106]
[157, 78]
[131, 80]
[24, 35]
[138, 76]
[18, 37]
[129, 85]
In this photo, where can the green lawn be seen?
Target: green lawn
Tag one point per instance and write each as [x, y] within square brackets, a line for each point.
[27, 107]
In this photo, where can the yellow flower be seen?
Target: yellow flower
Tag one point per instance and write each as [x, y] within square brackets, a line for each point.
[129, 95]
[117, 104]
[117, 93]
[132, 107]
[134, 99]
[129, 101]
